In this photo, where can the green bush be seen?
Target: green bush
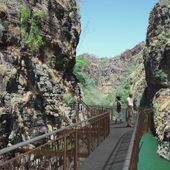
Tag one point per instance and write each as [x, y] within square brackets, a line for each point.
[68, 99]
[80, 63]
[38, 14]
[123, 91]
[160, 75]
[25, 16]
[110, 98]
[30, 28]
[81, 76]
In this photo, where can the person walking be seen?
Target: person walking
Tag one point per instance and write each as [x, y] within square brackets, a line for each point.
[129, 110]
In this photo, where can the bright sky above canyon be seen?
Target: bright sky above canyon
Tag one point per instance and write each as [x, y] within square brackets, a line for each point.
[109, 27]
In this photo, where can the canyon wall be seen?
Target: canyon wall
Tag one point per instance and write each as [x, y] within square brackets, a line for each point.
[38, 40]
[157, 68]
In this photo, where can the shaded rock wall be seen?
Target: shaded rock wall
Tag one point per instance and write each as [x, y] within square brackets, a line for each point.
[38, 40]
[157, 68]
[161, 104]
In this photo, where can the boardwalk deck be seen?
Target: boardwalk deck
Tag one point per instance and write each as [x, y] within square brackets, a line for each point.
[111, 153]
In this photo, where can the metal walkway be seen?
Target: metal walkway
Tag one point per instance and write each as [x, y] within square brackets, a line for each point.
[111, 153]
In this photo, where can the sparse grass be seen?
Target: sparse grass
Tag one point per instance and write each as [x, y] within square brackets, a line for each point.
[30, 28]
[68, 98]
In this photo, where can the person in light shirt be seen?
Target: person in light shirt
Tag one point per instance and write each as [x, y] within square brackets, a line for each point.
[129, 110]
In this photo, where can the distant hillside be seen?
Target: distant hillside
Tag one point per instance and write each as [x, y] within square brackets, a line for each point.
[107, 77]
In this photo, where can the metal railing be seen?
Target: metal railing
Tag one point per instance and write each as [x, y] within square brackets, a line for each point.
[143, 125]
[62, 149]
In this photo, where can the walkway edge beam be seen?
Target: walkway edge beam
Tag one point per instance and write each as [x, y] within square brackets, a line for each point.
[127, 162]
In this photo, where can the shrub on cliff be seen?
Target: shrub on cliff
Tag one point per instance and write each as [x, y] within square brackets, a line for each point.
[81, 76]
[30, 31]
[159, 74]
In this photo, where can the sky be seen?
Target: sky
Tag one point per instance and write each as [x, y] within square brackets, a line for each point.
[109, 27]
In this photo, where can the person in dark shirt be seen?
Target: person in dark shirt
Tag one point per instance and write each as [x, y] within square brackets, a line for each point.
[118, 109]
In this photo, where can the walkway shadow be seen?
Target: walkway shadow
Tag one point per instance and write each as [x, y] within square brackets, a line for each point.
[118, 125]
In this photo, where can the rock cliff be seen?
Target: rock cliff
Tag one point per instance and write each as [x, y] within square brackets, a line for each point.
[156, 56]
[38, 40]
[157, 67]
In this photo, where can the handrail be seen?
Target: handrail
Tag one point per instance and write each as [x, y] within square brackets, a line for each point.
[130, 149]
[142, 126]
[64, 149]
[21, 144]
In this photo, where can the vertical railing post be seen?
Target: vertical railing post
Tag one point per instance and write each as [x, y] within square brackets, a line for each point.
[98, 131]
[107, 125]
[109, 122]
[104, 126]
[76, 150]
[88, 139]
[65, 152]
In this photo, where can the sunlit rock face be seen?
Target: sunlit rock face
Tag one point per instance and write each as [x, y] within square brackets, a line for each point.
[157, 53]
[157, 68]
[38, 42]
[161, 104]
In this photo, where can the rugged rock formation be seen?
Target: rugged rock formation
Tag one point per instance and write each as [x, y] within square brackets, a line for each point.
[38, 42]
[157, 66]
[161, 105]
[156, 55]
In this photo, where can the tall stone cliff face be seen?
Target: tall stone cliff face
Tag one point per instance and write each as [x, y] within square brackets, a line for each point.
[156, 56]
[157, 68]
[38, 40]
